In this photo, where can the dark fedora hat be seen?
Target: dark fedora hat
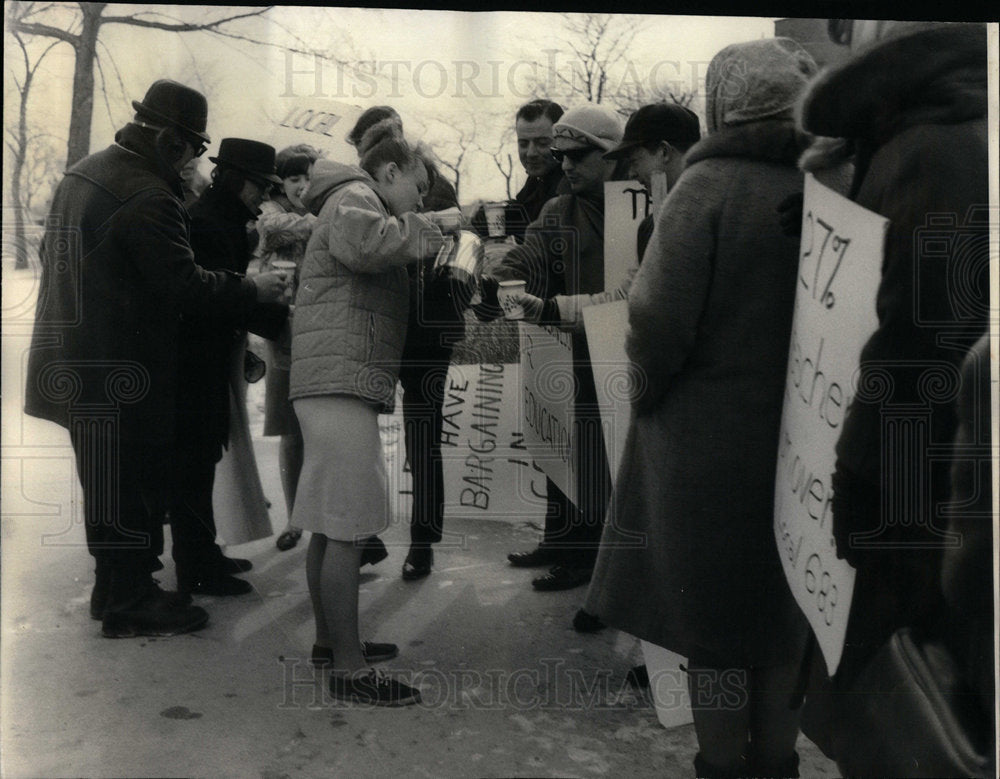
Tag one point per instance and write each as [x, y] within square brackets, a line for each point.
[656, 122]
[253, 158]
[173, 103]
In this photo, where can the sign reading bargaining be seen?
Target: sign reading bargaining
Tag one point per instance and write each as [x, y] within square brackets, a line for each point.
[840, 264]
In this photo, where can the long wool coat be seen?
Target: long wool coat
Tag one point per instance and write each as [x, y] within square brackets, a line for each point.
[688, 560]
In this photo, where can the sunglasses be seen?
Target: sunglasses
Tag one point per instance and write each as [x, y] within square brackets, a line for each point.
[199, 149]
[573, 155]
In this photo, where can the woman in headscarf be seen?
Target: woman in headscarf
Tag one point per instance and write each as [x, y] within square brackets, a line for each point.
[710, 315]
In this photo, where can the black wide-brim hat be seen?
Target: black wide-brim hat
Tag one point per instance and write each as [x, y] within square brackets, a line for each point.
[253, 158]
[173, 103]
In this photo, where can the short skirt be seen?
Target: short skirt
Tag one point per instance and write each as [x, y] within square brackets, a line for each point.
[342, 491]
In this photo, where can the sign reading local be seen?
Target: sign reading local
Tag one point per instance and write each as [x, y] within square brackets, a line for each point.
[840, 262]
[319, 122]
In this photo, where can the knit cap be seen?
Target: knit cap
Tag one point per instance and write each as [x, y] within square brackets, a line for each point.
[592, 125]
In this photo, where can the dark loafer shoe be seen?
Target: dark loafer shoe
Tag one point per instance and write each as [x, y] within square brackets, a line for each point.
[533, 559]
[418, 563]
[373, 653]
[99, 599]
[562, 577]
[233, 565]
[372, 550]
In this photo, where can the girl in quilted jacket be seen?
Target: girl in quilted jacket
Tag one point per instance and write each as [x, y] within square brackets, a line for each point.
[347, 339]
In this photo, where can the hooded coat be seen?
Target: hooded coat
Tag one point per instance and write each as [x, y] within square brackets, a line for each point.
[914, 106]
[352, 303]
[688, 559]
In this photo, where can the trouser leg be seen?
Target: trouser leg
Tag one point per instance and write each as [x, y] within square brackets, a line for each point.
[192, 519]
[423, 401]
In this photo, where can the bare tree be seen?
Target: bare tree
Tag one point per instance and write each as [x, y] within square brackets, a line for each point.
[503, 158]
[452, 138]
[27, 173]
[599, 68]
[58, 20]
[598, 44]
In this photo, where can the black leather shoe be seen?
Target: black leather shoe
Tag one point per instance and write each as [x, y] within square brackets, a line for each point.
[156, 614]
[585, 622]
[536, 557]
[213, 583]
[101, 591]
[418, 562]
[562, 577]
[372, 651]
[372, 551]
[233, 565]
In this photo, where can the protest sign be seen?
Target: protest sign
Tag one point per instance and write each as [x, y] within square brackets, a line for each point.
[488, 471]
[605, 326]
[839, 268]
[626, 204]
[547, 389]
[323, 124]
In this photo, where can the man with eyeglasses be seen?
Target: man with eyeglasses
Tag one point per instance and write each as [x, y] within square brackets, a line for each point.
[563, 254]
[117, 273]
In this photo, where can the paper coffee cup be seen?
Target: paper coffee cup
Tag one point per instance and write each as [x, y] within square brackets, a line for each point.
[507, 295]
[495, 222]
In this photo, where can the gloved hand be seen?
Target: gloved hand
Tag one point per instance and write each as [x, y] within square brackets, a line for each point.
[489, 309]
[790, 214]
[530, 305]
[856, 508]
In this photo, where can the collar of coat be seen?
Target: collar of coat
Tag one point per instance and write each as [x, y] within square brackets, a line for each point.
[932, 76]
[225, 205]
[133, 140]
[774, 140]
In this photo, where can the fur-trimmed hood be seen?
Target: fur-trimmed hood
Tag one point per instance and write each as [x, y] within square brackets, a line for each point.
[932, 76]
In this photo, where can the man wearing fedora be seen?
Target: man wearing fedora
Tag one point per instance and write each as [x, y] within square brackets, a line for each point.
[244, 173]
[117, 273]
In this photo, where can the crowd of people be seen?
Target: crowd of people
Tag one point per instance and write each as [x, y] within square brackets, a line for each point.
[141, 317]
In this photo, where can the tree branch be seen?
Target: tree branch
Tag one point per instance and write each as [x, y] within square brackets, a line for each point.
[34, 28]
[134, 21]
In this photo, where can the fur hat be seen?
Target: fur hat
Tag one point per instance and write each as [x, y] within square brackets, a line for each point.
[592, 125]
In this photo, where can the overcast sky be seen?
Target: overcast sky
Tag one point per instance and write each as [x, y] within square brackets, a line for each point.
[447, 65]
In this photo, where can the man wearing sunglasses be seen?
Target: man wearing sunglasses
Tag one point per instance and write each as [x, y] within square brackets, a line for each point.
[563, 254]
[117, 271]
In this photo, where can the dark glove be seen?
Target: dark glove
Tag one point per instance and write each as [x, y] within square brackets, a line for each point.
[489, 309]
[790, 214]
[856, 508]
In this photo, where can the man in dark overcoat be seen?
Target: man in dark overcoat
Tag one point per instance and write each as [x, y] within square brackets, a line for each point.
[117, 270]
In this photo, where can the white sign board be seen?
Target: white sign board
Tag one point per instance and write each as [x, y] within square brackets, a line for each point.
[547, 389]
[488, 471]
[839, 269]
[605, 326]
[323, 124]
[626, 204]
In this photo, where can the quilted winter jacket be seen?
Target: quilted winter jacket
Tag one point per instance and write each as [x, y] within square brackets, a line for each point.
[352, 302]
